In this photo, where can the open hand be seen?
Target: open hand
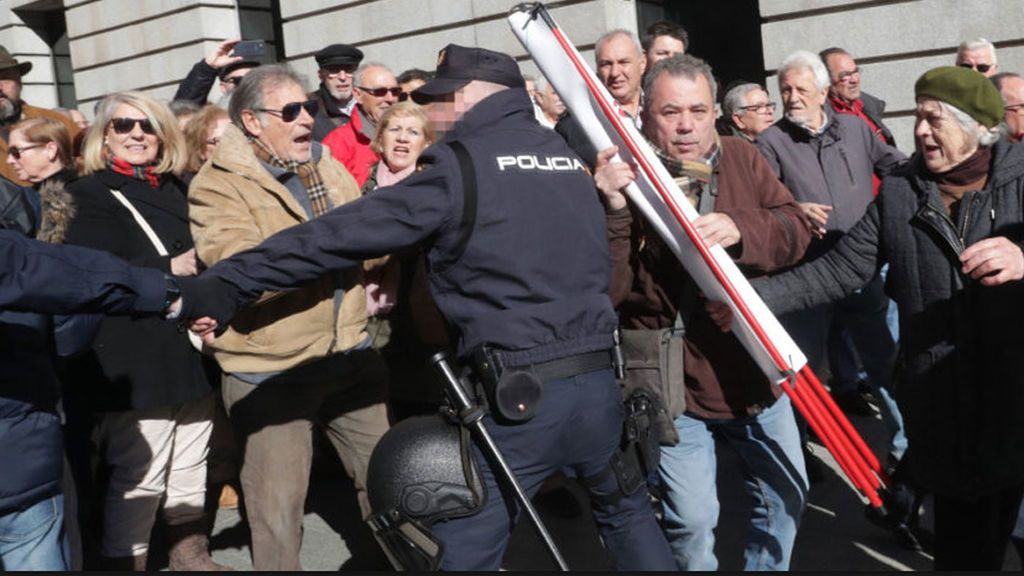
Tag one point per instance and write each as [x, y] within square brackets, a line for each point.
[717, 228]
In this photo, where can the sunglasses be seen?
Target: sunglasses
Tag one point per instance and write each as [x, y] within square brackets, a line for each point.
[380, 92]
[15, 152]
[404, 96]
[233, 80]
[126, 125]
[979, 67]
[289, 112]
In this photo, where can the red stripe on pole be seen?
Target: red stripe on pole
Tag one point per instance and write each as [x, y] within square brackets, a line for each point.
[827, 400]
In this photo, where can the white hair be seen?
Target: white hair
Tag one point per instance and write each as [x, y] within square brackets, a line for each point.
[358, 76]
[977, 44]
[803, 59]
[986, 136]
[612, 34]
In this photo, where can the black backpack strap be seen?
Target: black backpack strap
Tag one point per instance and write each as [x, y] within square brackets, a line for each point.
[469, 200]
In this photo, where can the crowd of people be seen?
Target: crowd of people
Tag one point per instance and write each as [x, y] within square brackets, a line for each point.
[291, 257]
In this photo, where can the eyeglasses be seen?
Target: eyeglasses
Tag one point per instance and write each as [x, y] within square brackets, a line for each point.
[234, 80]
[760, 108]
[979, 67]
[126, 125]
[380, 92]
[15, 152]
[844, 76]
[289, 112]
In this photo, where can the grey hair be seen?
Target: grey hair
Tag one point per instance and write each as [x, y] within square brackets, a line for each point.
[803, 59]
[997, 80]
[975, 44]
[972, 127]
[249, 93]
[683, 65]
[736, 98]
[612, 34]
[357, 78]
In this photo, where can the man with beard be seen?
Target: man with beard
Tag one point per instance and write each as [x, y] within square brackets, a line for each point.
[338, 63]
[13, 109]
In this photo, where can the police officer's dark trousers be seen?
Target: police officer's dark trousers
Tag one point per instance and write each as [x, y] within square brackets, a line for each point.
[578, 424]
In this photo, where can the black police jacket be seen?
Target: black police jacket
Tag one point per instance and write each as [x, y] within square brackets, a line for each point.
[534, 275]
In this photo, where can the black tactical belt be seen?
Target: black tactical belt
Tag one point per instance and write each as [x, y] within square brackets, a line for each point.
[570, 365]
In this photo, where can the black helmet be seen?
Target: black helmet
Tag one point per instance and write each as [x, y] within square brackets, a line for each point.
[421, 471]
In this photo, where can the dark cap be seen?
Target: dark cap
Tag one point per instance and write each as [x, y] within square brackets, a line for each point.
[458, 66]
[964, 88]
[243, 63]
[336, 54]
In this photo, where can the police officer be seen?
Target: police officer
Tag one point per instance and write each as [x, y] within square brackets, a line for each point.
[519, 267]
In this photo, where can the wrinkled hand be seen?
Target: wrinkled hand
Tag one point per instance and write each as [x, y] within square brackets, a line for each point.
[993, 261]
[220, 57]
[612, 177]
[720, 314]
[717, 228]
[185, 264]
[205, 328]
[817, 214]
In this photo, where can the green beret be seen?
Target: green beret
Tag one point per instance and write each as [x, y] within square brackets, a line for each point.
[964, 88]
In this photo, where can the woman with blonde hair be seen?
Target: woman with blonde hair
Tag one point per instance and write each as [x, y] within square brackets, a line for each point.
[149, 388]
[202, 134]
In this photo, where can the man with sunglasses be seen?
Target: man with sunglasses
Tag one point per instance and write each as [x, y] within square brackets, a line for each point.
[337, 64]
[219, 64]
[294, 360]
[978, 54]
[375, 90]
[518, 251]
[13, 109]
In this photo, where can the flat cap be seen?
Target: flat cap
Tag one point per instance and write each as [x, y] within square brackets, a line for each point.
[342, 54]
[965, 89]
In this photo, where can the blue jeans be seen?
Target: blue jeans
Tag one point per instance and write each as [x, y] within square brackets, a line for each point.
[773, 471]
[34, 538]
[578, 425]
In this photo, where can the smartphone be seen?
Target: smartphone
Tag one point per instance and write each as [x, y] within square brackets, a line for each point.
[249, 49]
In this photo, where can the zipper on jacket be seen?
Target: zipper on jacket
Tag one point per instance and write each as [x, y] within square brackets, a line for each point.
[945, 227]
[966, 219]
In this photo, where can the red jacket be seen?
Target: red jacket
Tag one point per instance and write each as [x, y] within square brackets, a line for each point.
[351, 146]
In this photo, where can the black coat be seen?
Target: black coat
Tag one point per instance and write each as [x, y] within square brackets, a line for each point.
[135, 363]
[960, 385]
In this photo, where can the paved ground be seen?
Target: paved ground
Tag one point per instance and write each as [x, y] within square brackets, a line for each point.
[834, 534]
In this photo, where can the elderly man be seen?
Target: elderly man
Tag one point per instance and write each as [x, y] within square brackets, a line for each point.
[664, 39]
[336, 65]
[720, 391]
[375, 89]
[827, 161]
[534, 302]
[549, 105]
[219, 64]
[978, 54]
[13, 109]
[620, 66]
[1011, 88]
[296, 360]
[846, 97]
[748, 109]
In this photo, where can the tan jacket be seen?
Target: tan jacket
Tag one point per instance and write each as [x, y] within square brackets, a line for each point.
[234, 204]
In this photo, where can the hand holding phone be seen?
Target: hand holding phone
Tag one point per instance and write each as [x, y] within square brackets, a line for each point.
[250, 49]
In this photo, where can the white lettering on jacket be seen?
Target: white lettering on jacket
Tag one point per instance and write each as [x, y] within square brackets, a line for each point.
[546, 163]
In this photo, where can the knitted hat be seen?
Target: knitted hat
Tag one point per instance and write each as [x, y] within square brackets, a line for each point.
[964, 88]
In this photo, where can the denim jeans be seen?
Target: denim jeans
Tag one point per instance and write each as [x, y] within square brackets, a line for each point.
[34, 538]
[773, 471]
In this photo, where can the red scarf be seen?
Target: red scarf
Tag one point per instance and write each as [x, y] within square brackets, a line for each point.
[139, 172]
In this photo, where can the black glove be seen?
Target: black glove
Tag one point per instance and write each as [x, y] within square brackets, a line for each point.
[207, 295]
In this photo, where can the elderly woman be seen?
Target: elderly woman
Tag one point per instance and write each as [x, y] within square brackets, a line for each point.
[950, 224]
[40, 153]
[149, 386]
[202, 134]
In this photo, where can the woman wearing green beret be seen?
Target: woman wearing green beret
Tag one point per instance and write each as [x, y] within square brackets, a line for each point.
[950, 223]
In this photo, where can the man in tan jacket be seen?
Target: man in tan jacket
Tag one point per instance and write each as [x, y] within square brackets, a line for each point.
[295, 359]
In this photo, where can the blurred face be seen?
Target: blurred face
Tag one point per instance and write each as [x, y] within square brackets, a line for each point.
[979, 59]
[1013, 104]
[137, 146]
[620, 65]
[550, 103]
[78, 118]
[939, 138]
[756, 114]
[402, 142]
[845, 77]
[664, 47]
[290, 141]
[378, 91]
[10, 92]
[680, 116]
[213, 137]
[801, 98]
[34, 162]
[337, 78]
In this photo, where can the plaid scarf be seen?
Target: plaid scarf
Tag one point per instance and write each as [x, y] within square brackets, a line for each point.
[144, 173]
[692, 176]
[307, 172]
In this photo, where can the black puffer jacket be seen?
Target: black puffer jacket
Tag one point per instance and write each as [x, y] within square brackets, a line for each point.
[961, 384]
